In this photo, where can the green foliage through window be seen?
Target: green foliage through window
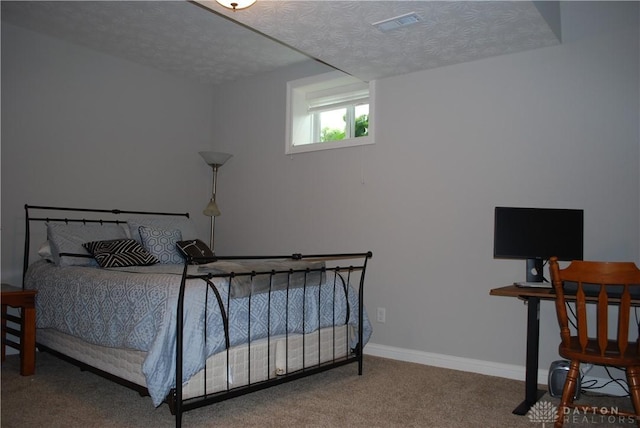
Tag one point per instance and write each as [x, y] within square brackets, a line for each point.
[335, 134]
[362, 125]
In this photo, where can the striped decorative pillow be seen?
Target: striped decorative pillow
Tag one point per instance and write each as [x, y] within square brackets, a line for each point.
[120, 253]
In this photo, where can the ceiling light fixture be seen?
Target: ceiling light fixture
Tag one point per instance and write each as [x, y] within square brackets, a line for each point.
[235, 5]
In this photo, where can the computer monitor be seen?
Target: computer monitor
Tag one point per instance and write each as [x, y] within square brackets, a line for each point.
[536, 234]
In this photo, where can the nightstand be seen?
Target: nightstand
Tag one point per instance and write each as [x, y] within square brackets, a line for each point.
[25, 301]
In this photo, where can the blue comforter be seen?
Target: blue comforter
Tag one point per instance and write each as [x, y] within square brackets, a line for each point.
[136, 309]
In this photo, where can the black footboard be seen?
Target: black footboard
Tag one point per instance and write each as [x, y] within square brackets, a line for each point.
[314, 278]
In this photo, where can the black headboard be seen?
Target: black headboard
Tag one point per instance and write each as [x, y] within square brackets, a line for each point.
[37, 213]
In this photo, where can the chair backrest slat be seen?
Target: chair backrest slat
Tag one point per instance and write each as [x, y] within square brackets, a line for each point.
[602, 319]
[623, 320]
[581, 310]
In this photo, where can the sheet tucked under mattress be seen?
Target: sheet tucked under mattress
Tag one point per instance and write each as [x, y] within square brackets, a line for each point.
[138, 311]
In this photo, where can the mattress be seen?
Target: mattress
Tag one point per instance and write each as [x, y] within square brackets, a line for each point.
[264, 359]
[125, 310]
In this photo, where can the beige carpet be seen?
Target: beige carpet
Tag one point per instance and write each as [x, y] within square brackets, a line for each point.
[389, 394]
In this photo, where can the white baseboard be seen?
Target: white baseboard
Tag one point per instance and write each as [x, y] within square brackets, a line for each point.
[490, 368]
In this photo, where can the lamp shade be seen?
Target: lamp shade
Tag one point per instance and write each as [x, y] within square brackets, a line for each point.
[236, 4]
[215, 158]
[211, 210]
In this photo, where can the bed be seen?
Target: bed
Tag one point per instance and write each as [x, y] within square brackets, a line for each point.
[136, 297]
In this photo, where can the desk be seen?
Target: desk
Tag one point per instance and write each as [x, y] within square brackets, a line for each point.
[532, 296]
[25, 300]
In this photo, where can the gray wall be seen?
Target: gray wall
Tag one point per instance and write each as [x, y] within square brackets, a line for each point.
[84, 129]
[552, 127]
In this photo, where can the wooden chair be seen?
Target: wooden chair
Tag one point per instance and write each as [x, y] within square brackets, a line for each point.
[605, 348]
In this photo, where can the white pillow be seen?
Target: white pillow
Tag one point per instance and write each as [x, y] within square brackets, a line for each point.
[68, 238]
[44, 251]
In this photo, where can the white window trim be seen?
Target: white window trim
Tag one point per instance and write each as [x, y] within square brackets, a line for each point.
[298, 125]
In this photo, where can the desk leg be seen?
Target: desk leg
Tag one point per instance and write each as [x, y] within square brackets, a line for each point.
[531, 393]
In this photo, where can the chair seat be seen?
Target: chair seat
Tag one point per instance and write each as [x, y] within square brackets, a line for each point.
[592, 355]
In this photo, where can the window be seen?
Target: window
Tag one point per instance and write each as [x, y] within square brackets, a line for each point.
[328, 111]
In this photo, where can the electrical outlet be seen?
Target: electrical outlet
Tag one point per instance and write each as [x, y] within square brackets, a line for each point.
[381, 315]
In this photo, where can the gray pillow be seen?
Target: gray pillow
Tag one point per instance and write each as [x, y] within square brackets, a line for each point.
[161, 243]
[183, 224]
[68, 238]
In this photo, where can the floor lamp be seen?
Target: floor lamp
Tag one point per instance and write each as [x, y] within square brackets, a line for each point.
[215, 160]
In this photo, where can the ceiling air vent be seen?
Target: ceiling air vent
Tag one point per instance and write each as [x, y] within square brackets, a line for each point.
[397, 22]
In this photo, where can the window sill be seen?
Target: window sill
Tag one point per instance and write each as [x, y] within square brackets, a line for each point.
[313, 147]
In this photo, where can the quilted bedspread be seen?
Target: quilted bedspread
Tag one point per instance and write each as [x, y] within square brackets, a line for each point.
[137, 310]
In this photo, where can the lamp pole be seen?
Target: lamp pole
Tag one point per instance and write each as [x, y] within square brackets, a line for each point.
[213, 198]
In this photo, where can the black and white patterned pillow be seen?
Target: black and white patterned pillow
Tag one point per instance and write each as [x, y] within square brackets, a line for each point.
[120, 253]
[196, 250]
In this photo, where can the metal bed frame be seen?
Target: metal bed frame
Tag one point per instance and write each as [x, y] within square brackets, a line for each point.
[175, 401]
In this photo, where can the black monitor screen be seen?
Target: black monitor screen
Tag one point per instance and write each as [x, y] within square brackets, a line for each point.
[538, 233]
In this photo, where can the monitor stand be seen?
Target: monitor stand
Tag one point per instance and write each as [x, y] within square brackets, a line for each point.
[534, 270]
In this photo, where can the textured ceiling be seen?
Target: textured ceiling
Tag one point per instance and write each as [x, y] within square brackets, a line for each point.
[214, 45]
